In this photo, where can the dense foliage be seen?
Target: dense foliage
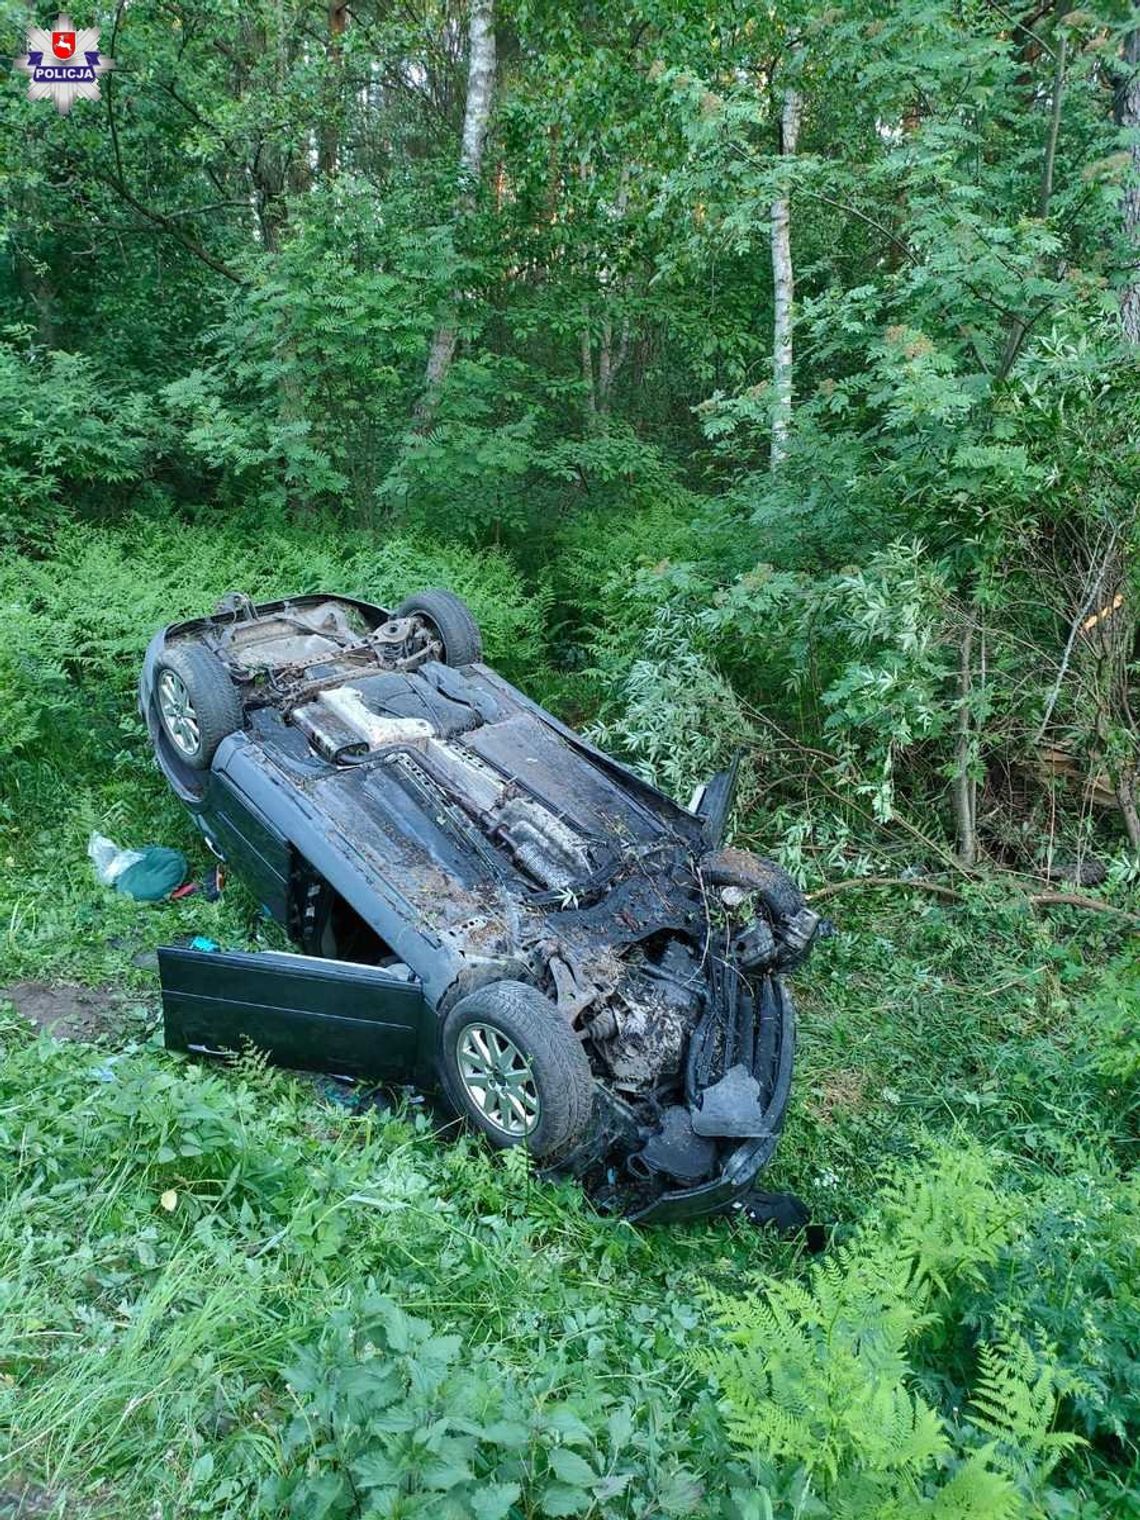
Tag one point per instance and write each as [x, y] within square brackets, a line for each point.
[223, 279]
[299, 303]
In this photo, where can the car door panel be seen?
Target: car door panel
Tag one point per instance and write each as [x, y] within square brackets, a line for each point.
[305, 1012]
[249, 844]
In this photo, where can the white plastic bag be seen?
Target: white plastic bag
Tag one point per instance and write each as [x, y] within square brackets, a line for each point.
[109, 861]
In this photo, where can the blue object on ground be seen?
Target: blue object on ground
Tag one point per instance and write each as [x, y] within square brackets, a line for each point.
[201, 942]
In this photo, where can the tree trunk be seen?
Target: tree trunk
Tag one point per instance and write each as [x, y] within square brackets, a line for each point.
[611, 360]
[1126, 800]
[1130, 122]
[587, 350]
[1126, 778]
[480, 87]
[965, 791]
[476, 115]
[328, 135]
[783, 284]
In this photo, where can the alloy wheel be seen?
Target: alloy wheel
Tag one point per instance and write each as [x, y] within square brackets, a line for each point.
[498, 1079]
[178, 715]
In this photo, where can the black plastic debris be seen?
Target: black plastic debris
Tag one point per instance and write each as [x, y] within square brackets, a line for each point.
[731, 1107]
[677, 1151]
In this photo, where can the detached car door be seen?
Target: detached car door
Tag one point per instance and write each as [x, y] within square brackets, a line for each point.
[312, 1014]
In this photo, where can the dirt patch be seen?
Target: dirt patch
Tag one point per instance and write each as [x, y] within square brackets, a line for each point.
[22, 1501]
[28, 1501]
[838, 1092]
[66, 1010]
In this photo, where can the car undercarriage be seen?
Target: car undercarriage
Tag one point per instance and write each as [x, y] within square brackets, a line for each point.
[600, 978]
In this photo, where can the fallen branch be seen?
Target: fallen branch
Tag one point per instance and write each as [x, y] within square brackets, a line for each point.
[952, 894]
[1075, 900]
[919, 884]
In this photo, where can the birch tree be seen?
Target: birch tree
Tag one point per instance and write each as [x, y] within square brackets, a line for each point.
[783, 284]
[1127, 772]
[1130, 122]
[476, 116]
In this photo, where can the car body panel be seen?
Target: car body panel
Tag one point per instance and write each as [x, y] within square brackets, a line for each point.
[304, 1012]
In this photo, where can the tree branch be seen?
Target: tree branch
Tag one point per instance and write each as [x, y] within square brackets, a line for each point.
[952, 894]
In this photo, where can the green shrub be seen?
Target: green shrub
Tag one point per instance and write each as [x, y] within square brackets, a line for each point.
[836, 1375]
[70, 439]
[79, 622]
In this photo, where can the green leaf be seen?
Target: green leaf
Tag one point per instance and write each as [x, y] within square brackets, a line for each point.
[562, 1421]
[445, 1472]
[376, 1469]
[570, 1467]
[511, 1434]
[493, 1500]
[563, 1499]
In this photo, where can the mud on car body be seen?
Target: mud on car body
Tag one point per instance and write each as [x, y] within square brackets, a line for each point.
[482, 901]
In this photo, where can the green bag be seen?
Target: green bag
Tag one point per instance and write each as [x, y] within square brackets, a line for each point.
[155, 876]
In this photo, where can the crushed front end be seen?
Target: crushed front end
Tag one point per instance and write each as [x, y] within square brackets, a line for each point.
[690, 1028]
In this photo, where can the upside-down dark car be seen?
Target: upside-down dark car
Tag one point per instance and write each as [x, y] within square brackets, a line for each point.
[482, 902]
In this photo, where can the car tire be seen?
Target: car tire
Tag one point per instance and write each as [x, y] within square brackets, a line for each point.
[197, 703]
[451, 620]
[778, 891]
[511, 1031]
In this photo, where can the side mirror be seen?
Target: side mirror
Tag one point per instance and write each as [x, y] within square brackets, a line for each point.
[712, 802]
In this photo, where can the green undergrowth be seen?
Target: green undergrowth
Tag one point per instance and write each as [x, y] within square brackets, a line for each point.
[222, 1294]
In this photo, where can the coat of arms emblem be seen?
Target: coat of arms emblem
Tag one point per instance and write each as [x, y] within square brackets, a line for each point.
[64, 64]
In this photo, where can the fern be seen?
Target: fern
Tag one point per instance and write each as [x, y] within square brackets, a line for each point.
[822, 1373]
[976, 1492]
[950, 1221]
[818, 1374]
[1015, 1402]
[252, 1064]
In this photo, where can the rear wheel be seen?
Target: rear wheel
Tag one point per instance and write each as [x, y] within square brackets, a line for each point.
[449, 620]
[198, 704]
[515, 1068]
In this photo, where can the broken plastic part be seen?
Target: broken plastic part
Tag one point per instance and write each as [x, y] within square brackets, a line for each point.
[755, 945]
[798, 931]
[731, 1108]
[676, 1150]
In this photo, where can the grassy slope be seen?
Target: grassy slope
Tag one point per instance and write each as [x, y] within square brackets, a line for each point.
[145, 1350]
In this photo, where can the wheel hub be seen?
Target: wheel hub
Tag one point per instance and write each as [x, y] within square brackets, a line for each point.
[178, 715]
[498, 1079]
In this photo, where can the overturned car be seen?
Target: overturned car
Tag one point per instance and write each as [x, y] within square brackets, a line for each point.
[482, 901]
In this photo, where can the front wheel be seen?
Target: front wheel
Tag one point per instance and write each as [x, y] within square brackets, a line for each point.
[515, 1068]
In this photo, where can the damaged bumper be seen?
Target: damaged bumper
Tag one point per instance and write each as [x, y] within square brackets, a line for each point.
[739, 1115]
[701, 1156]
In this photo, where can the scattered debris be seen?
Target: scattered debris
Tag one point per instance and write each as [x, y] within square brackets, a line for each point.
[147, 875]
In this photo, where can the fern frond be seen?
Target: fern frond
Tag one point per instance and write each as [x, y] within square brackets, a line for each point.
[1015, 1401]
[976, 1492]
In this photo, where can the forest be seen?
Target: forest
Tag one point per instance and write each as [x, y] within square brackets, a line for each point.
[767, 379]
